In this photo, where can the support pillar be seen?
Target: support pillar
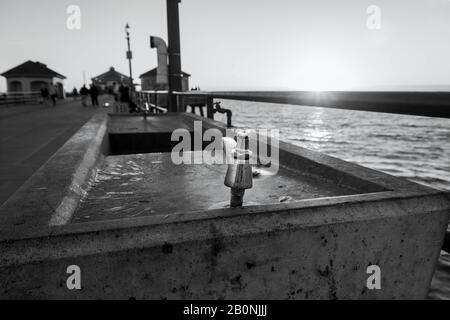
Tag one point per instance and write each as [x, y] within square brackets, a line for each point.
[173, 31]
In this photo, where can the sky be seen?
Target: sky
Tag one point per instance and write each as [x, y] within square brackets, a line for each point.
[241, 44]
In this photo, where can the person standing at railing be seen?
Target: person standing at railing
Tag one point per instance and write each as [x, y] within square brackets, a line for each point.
[53, 93]
[84, 92]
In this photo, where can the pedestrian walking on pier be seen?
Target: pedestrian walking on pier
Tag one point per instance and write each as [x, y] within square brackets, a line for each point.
[116, 91]
[124, 99]
[44, 95]
[53, 94]
[124, 94]
[84, 92]
[74, 93]
[94, 95]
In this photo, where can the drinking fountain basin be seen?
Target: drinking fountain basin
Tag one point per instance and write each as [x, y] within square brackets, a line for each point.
[112, 202]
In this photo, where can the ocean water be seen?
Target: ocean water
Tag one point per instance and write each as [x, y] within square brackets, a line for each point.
[411, 147]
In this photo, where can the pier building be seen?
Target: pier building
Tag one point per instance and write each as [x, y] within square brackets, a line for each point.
[107, 79]
[31, 76]
[148, 81]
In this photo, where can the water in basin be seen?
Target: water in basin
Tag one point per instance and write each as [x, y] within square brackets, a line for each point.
[151, 184]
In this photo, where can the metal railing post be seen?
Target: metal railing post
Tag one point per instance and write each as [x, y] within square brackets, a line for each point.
[210, 107]
[181, 104]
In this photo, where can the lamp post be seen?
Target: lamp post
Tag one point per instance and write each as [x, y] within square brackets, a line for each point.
[129, 55]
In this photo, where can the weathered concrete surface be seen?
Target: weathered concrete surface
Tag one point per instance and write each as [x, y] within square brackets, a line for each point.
[307, 249]
[318, 252]
[51, 195]
[31, 134]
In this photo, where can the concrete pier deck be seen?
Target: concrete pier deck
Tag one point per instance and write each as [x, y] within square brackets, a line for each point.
[30, 134]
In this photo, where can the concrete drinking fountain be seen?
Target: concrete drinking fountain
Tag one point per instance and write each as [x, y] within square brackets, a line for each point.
[112, 202]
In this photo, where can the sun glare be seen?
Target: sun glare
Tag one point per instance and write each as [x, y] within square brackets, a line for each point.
[322, 75]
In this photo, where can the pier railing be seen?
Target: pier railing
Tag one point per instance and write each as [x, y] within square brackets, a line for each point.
[151, 101]
[157, 101]
[429, 104]
[11, 98]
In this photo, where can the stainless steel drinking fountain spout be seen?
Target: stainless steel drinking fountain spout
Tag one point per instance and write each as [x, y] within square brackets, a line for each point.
[239, 173]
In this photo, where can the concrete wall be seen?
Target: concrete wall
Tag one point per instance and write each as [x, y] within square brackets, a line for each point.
[298, 254]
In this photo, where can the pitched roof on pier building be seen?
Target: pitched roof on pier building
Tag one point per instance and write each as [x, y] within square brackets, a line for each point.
[107, 78]
[32, 69]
